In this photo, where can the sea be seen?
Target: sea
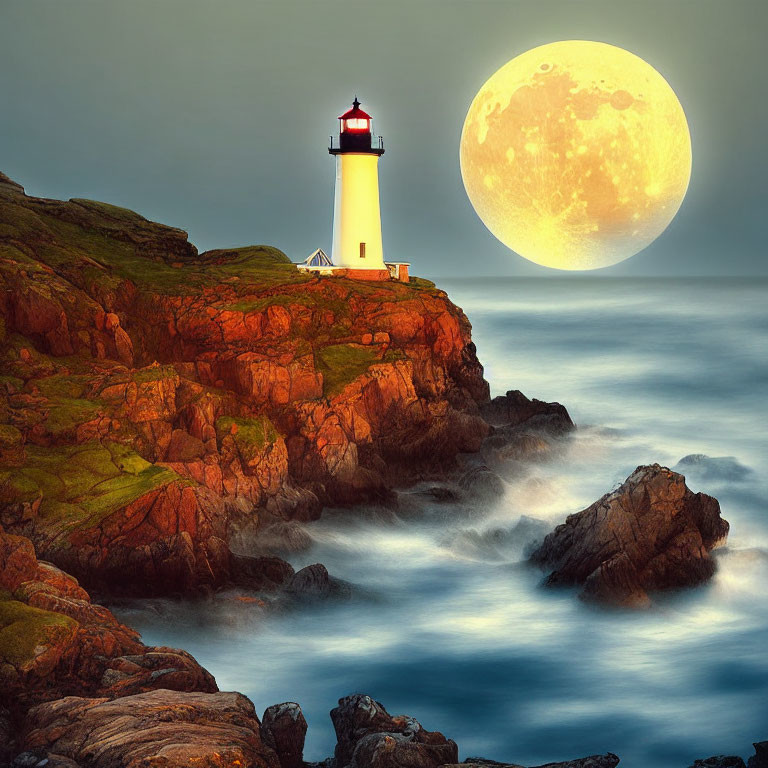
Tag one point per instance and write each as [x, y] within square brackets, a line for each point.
[448, 622]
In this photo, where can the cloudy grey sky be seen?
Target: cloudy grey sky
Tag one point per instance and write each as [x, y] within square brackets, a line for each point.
[214, 115]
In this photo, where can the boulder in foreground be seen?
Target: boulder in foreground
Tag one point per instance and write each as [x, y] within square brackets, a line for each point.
[283, 729]
[168, 728]
[652, 533]
[608, 760]
[720, 761]
[367, 735]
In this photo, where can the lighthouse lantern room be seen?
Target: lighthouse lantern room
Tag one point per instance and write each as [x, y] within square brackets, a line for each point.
[357, 248]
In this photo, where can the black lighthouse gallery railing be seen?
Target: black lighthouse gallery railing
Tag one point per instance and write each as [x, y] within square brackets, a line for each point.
[349, 142]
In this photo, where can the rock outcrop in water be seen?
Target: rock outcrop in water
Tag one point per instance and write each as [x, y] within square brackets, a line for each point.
[719, 761]
[516, 410]
[283, 728]
[157, 405]
[652, 533]
[760, 758]
[523, 429]
[725, 469]
[367, 735]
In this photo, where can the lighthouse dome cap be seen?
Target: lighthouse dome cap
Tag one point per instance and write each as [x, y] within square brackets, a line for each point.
[355, 112]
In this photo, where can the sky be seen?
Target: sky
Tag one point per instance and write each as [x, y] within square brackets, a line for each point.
[214, 115]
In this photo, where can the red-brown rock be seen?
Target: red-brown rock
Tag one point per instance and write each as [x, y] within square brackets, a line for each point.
[652, 533]
[369, 737]
[56, 642]
[172, 729]
[283, 728]
[231, 390]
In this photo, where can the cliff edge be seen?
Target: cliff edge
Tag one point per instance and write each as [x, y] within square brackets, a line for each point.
[156, 403]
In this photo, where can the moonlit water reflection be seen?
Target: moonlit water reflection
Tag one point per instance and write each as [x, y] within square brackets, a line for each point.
[460, 635]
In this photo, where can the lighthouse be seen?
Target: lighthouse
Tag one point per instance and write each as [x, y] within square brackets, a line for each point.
[356, 211]
[357, 249]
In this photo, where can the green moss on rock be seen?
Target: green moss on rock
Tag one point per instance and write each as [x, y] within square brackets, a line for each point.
[153, 373]
[10, 437]
[255, 266]
[109, 210]
[11, 383]
[250, 435]
[341, 364]
[422, 284]
[62, 385]
[79, 485]
[18, 221]
[67, 407]
[66, 414]
[26, 631]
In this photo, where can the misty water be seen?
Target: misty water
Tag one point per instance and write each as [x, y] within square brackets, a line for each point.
[459, 633]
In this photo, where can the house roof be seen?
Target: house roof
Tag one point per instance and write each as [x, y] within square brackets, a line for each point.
[318, 259]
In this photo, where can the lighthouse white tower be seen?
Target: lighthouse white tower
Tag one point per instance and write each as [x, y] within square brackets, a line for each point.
[356, 213]
[357, 250]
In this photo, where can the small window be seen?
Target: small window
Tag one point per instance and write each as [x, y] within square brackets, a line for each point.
[362, 250]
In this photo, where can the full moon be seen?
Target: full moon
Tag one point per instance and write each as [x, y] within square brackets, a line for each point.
[576, 154]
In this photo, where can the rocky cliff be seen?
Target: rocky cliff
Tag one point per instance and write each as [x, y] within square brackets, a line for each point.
[157, 404]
